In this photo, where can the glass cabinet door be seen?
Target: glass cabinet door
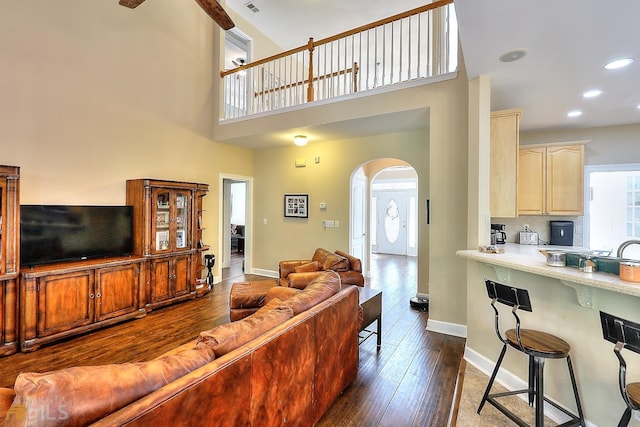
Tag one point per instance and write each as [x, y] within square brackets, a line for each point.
[182, 220]
[162, 220]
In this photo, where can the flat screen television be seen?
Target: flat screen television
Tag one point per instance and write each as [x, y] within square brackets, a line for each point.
[57, 233]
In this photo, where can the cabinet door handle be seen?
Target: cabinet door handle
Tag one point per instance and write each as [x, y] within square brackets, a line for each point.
[98, 295]
[91, 296]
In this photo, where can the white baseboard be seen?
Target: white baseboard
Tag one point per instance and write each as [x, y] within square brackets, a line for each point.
[447, 328]
[512, 382]
[261, 272]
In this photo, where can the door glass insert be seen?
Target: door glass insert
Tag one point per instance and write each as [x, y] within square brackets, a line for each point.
[391, 221]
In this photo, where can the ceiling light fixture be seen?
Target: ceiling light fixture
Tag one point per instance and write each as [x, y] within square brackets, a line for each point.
[574, 113]
[618, 63]
[300, 140]
[592, 93]
[513, 55]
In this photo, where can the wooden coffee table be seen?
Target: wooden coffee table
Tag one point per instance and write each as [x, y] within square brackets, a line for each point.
[371, 303]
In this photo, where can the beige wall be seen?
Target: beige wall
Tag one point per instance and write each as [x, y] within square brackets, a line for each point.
[327, 181]
[93, 94]
[438, 154]
[609, 144]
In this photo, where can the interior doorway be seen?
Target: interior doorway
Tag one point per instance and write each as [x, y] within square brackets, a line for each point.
[235, 232]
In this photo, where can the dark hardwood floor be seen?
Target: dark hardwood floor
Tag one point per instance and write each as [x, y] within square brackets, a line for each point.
[411, 381]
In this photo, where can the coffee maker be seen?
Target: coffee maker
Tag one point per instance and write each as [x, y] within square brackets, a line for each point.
[498, 234]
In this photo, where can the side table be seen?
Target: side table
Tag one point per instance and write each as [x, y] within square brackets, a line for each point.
[371, 303]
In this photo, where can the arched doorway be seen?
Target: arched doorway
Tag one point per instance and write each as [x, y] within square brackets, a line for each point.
[384, 210]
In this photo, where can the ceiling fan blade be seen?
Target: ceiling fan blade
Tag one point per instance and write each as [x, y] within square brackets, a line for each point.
[130, 3]
[216, 12]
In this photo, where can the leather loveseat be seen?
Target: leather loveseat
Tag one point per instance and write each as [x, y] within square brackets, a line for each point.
[347, 266]
[285, 364]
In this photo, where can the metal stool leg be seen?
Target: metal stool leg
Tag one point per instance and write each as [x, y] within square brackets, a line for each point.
[624, 421]
[539, 392]
[493, 377]
[575, 391]
[532, 381]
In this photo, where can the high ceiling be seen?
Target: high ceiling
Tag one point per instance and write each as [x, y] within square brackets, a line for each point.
[567, 42]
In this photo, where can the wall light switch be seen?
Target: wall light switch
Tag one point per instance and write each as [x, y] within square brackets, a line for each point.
[316, 159]
[264, 221]
[300, 163]
[336, 223]
[323, 205]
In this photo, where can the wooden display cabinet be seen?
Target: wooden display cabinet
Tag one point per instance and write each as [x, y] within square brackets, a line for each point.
[9, 257]
[61, 300]
[168, 233]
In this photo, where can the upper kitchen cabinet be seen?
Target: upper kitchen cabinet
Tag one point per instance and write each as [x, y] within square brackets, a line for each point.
[505, 140]
[551, 179]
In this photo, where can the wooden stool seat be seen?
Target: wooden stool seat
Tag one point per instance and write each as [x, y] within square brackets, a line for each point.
[541, 343]
[633, 389]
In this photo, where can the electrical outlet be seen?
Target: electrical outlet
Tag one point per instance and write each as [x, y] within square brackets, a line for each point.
[526, 227]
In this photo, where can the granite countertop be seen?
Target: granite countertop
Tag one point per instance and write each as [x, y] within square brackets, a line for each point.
[527, 258]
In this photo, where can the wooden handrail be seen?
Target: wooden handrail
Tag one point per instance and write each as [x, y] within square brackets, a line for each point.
[353, 69]
[311, 44]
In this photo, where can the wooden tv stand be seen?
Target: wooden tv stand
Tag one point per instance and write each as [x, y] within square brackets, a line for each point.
[65, 299]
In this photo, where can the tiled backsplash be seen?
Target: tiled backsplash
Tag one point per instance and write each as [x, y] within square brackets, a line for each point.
[539, 224]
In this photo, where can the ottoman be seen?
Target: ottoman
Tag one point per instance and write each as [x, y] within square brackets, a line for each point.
[246, 298]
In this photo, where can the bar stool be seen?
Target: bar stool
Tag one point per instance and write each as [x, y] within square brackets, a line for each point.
[624, 334]
[539, 346]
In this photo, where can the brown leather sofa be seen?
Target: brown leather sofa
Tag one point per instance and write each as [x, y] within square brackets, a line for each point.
[347, 266]
[285, 364]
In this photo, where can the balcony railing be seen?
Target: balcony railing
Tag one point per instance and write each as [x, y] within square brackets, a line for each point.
[417, 44]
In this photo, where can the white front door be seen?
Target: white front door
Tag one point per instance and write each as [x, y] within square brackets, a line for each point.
[391, 224]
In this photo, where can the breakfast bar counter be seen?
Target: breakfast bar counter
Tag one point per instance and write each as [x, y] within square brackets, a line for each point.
[528, 259]
[567, 303]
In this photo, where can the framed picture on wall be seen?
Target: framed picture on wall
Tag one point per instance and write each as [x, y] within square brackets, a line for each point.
[296, 205]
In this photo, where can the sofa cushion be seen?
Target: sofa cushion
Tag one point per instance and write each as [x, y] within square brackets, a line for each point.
[281, 293]
[330, 261]
[225, 338]
[320, 288]
[307, 268]
[80, 395]
[6, 399]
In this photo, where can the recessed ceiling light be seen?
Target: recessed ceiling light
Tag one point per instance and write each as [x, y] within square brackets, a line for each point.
[592, 93]
[574, 113]
[513, 55]
[618, 63]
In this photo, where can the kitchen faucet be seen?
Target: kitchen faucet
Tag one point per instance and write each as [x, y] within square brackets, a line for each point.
[624, 245]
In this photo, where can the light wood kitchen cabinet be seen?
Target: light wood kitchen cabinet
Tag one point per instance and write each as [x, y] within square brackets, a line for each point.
[551, 179]
[9, 256]
[505, 140]
[66, 299]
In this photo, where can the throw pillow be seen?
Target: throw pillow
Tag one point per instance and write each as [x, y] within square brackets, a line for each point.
[330, 261]
[81, 395]
[230, 336]
[307, 268]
